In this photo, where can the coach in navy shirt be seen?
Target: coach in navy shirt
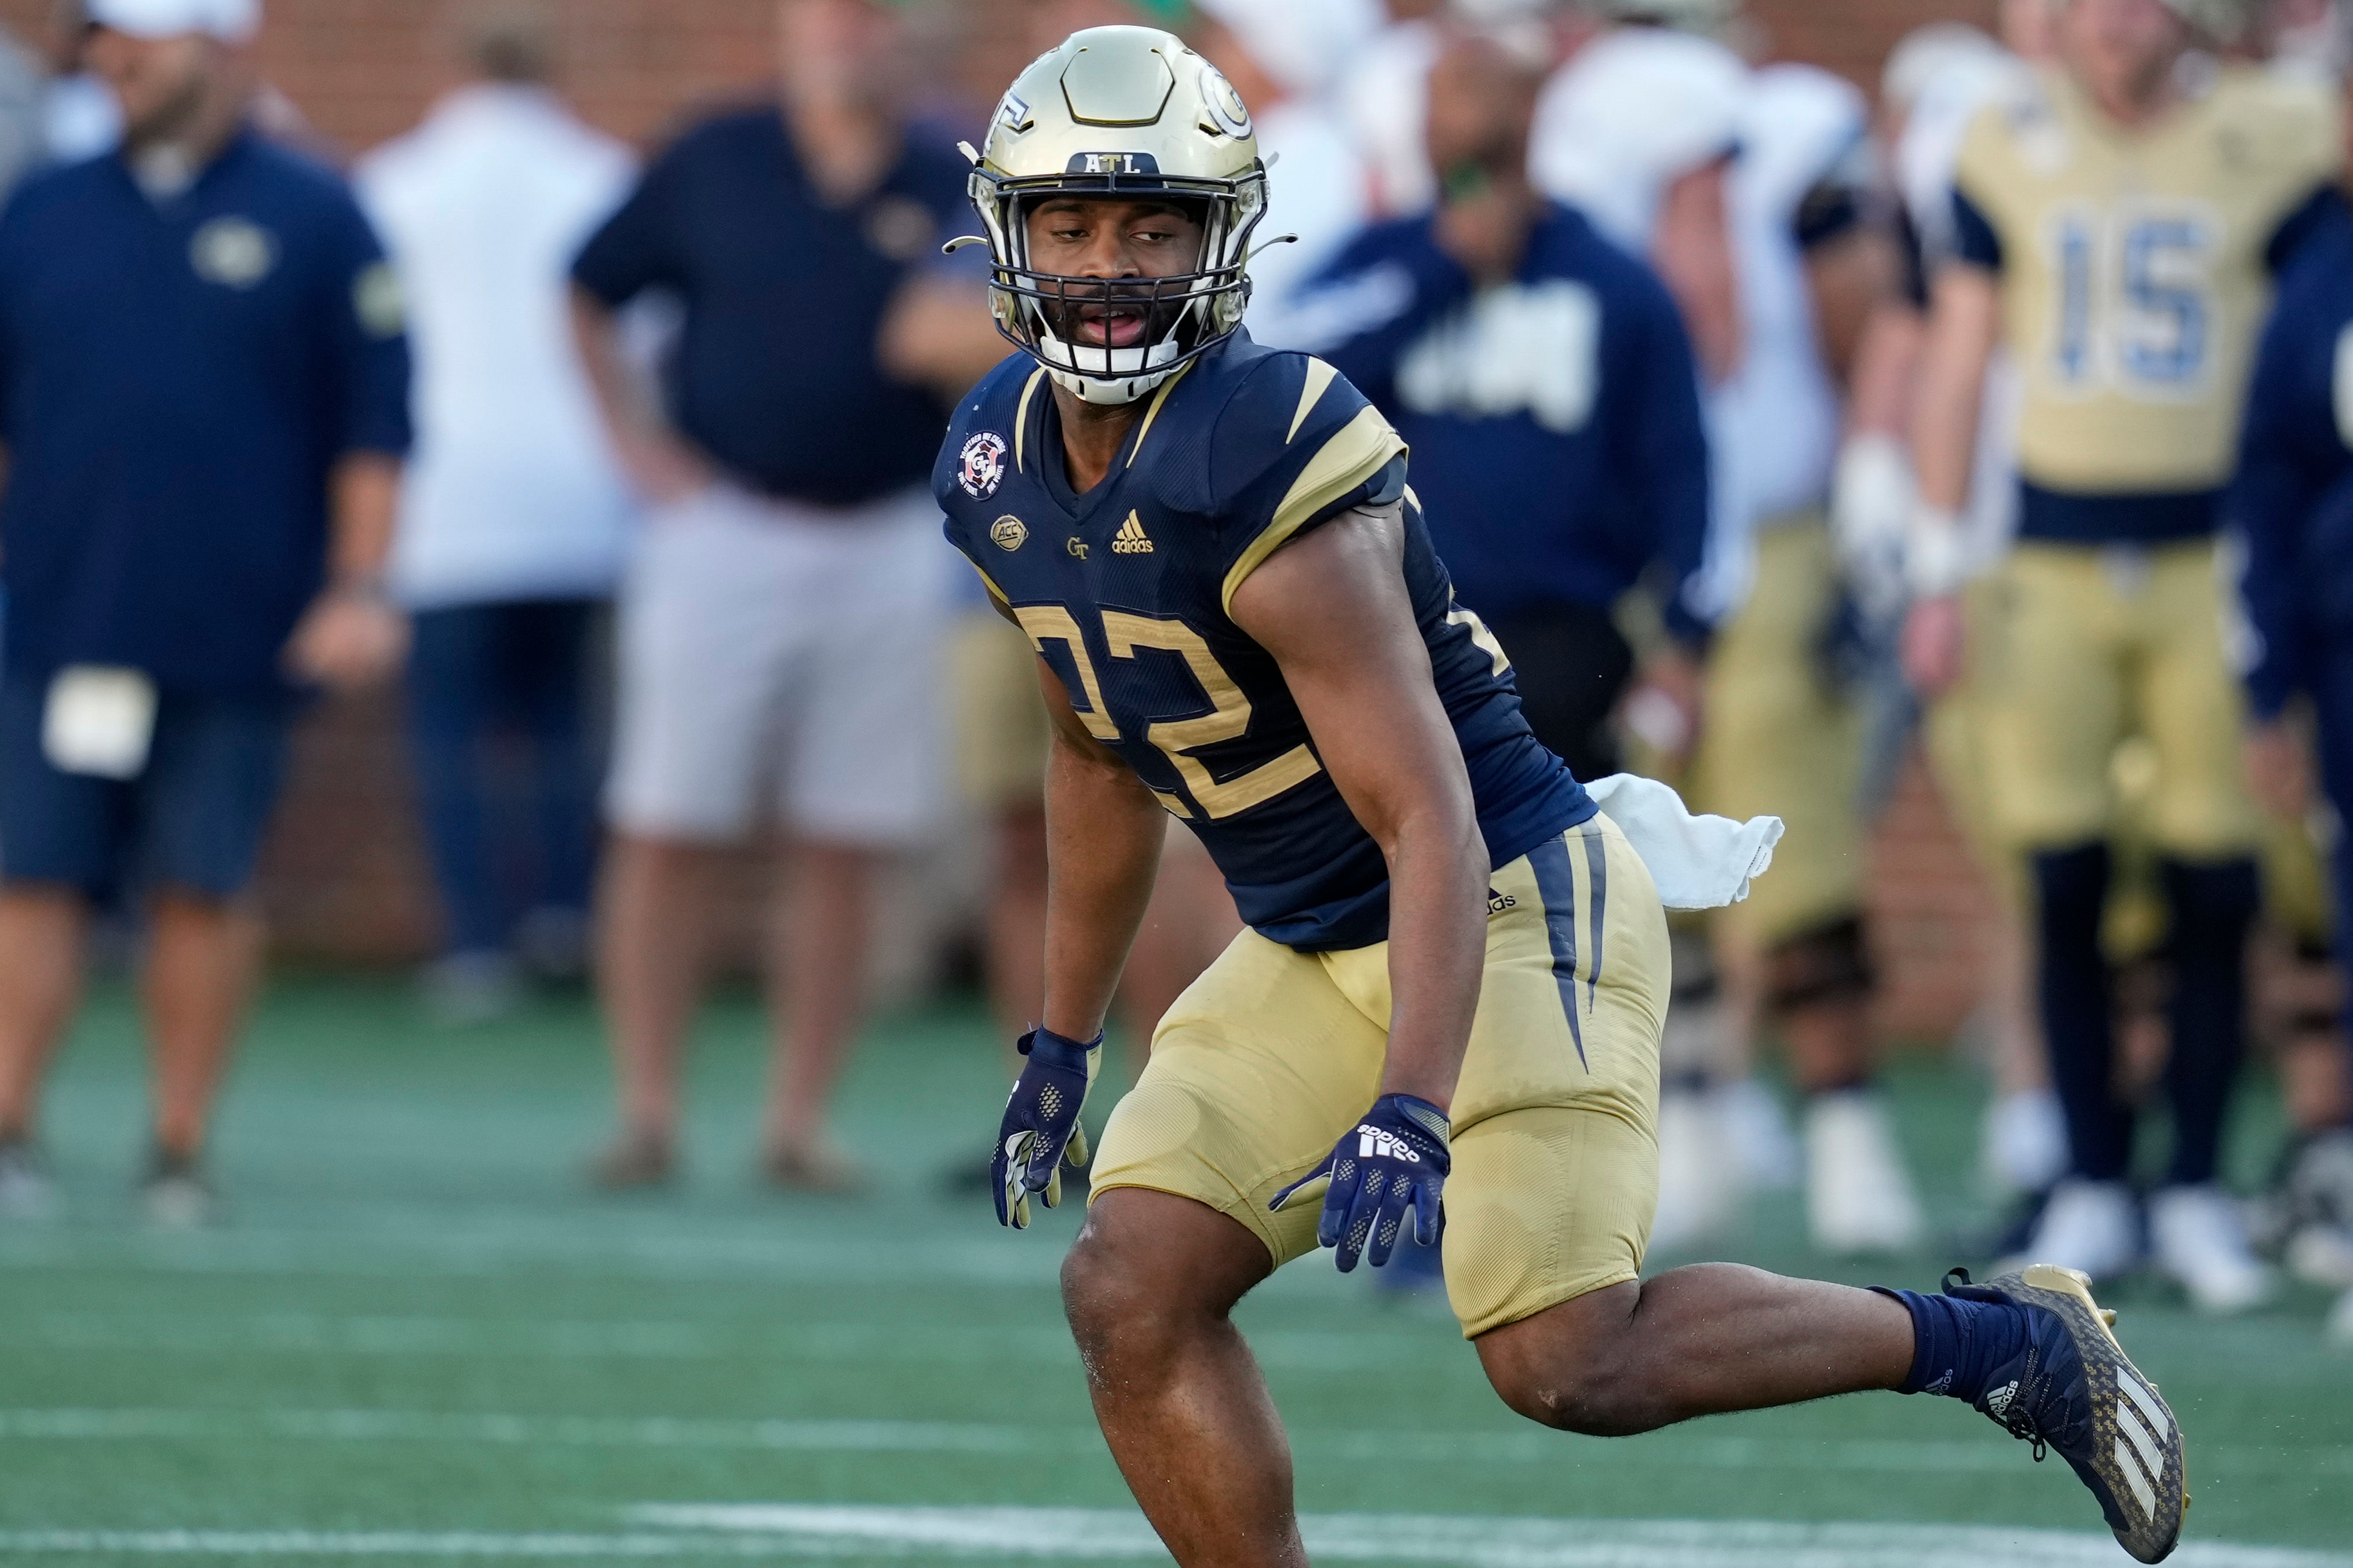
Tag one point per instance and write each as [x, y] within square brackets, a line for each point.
[1547, 386]
[203, 393]
[777, 653]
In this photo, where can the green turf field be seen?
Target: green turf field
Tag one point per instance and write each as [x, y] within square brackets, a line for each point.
[418, 1339]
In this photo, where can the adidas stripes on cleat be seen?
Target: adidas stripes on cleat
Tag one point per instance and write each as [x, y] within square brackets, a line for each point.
[2073, 1389]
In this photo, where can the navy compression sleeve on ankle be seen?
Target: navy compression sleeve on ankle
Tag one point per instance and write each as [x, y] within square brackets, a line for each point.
[1957, 1342]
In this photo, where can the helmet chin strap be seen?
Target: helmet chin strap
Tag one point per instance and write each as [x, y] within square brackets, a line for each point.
[1108, 386]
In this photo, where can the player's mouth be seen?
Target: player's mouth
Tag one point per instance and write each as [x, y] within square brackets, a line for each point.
[1116, 326]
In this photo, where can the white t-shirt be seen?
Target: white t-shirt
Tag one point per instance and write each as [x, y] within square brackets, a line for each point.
[512, 492]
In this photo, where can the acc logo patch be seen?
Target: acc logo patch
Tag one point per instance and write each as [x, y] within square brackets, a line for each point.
[983, 465]
[1008, 532]
[232, 252]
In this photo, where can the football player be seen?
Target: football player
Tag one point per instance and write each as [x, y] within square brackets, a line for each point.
[2116, 231]
[1240, 623]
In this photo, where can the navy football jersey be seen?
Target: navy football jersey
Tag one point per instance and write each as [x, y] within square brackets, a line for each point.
[1124, 591]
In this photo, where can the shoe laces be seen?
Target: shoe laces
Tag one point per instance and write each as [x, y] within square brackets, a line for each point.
[2033, 1384]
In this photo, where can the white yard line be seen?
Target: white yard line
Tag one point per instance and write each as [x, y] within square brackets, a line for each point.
[821, 1531]
[1988, 1453]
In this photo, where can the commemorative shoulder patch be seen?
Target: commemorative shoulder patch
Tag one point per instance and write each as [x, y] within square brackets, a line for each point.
[983, 466]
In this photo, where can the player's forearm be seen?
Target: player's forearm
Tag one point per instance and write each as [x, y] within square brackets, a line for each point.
[1438, 949]
[1104, 833]
[365, 487]
[1961, 331]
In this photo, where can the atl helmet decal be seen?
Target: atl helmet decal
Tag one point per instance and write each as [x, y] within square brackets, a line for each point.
[983, 466]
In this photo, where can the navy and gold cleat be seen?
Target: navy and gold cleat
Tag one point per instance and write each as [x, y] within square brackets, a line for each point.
[2073, 1389]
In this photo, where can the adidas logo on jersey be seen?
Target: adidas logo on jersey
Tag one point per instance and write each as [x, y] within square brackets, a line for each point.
[1131, 538]
[1372, 1140]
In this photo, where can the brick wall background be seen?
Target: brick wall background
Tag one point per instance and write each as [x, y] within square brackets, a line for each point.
[345, 878]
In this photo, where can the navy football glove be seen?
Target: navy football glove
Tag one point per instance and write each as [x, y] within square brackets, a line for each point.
[1041, 1131]
[1396, 1157]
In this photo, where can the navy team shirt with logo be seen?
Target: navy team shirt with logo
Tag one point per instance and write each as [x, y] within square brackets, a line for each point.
[1125, 592]
[1554, 420]
[776, 377]
[178, 377]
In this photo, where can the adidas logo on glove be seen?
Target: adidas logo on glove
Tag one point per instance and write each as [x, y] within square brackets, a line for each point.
[1371, 1141]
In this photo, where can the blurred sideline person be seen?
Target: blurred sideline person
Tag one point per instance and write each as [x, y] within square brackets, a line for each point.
[1639, 130]
[1284, 57]
[1785, 717]
[1747, 191]
[1937, 80]
[1447, 1010]
[2293, 501]
[1543, 379]
[514, 521]
[204, 391]
[2117, 230]
[778, 630]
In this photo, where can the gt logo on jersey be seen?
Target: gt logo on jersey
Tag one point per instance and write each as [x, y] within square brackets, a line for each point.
[1532, 349]
[983, 465]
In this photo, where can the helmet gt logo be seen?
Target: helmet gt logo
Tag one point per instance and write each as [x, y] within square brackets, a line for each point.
[983, 466]
[1225, 105]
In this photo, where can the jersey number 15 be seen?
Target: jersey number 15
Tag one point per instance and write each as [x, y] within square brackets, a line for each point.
[2135, 305]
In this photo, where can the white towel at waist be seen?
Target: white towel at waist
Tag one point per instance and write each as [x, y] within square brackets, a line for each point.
[1698, 862]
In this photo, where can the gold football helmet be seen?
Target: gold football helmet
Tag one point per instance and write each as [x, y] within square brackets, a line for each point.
[1120, 111]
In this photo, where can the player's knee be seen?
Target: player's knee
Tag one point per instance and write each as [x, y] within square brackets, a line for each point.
[1592, 1401]
[1574, 1369]
[1098, 1293]
[1116, 1304]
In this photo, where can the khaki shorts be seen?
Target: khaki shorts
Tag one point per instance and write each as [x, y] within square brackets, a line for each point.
[2087, 646]
[776, 661]
[1271, 1055]
[1780, 740]
[1002, 733]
